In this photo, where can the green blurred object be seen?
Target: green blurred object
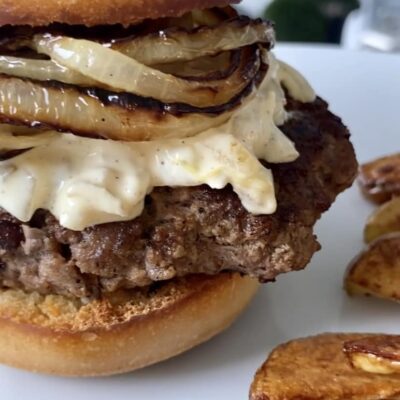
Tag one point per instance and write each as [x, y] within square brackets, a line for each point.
[310, 20]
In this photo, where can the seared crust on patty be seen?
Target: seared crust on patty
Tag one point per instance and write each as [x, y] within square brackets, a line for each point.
[97, 12]
[191, 230]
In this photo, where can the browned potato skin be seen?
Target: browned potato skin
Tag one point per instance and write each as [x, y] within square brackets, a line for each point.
[377, 354]
[380, 179]
[386, 219]
[376, 272]
[317, 368]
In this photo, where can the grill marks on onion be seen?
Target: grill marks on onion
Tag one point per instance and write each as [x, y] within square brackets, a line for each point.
[62, 93]
[97, 112]
[177, 44]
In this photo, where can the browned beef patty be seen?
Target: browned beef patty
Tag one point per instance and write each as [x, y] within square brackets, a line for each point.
[190, 230]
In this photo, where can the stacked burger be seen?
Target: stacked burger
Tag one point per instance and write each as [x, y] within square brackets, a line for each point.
[157, 162]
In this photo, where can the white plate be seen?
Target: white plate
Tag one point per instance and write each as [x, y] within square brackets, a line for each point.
[365, 90]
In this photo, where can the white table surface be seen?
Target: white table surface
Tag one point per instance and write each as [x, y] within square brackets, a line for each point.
[365, 90]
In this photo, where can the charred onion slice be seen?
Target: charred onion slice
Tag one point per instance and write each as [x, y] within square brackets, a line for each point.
[209, 17]
[19, 38]
[41, 70]
[174, 44]
[122, 73]
[220, 66]
[96, 112]
[216, 67]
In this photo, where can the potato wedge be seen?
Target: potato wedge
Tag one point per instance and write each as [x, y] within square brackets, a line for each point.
[318, 368]
[375, 354]
[376, 272]
[386, 219]
[380, 179]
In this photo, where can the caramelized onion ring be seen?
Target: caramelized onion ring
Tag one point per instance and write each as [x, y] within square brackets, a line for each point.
[215, 67]
[125, 74]
[174, 44]
[41, 70]
[16, 38]
[203, 69]
[96, 112]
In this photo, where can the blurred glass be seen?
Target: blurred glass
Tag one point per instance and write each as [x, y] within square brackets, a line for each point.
[381, 25]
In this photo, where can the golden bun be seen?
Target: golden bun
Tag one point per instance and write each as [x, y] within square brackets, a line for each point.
[97, 12]
[129, 330]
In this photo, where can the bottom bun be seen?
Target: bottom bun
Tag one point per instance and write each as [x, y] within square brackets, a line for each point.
[128, 330]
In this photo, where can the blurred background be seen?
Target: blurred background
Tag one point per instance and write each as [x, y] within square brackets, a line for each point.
[355, 24]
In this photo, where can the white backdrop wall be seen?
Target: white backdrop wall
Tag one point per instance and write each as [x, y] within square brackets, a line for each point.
[254, 8]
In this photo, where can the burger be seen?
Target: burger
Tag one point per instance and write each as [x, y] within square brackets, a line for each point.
[157, 163]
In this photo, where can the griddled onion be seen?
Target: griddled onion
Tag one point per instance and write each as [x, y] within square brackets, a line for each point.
[123, 73]
[17, 38]
[174, 44]
[42, 70]
[219, 66]
[100, 113]
[93, 89]
[206, 17]
[66, 108]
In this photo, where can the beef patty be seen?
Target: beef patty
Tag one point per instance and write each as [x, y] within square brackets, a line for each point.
[190, 230]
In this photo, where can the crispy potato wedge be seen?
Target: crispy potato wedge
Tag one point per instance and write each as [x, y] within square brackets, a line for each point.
[375, 354]
[317, 368]
[380, 179]
[386, 219]
[376, 272]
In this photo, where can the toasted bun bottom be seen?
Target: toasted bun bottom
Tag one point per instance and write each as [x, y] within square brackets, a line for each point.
[127, 331]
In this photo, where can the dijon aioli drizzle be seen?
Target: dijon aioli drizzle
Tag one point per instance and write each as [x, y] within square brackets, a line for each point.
[85, 182]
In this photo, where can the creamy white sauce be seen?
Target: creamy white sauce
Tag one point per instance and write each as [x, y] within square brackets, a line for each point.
[85, 182]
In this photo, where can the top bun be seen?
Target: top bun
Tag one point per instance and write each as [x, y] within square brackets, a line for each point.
[97, 12]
